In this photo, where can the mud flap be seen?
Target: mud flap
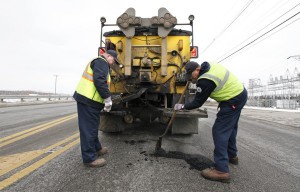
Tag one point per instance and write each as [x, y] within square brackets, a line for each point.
[185, 121]
[111, 123]
[185, 125]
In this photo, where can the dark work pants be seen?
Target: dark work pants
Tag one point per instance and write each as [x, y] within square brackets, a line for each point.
[88, 121]
[225, 130]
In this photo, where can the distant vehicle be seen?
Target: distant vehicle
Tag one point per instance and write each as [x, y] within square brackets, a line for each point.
[151, 76]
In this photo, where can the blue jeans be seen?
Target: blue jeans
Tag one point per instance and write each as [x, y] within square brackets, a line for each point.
[89, 121]
[225, 128]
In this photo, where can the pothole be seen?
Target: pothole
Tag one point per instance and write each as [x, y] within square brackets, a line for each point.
[196, 161]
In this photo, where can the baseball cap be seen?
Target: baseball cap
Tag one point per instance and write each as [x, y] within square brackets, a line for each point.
[189, 68]
[114, 54]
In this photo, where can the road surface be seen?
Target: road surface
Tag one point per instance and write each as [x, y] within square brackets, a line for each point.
[39, 151]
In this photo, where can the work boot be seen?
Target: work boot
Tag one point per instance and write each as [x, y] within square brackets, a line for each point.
[97, 163]
[234, 160]
[103, 151]
[215, 175]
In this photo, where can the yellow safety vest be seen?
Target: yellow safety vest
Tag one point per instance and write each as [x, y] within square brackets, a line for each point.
[228, 86]
[86, 86]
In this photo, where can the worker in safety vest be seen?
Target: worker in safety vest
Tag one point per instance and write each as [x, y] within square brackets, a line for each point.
[92, 95]
[215, 81]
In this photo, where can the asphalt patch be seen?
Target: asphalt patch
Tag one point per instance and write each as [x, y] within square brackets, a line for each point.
[133, 142]
[197, 162]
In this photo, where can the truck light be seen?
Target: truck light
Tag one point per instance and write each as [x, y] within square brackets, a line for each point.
[194, 52]
[101, 50]
[154, 20]
[102, 20]
[174, 53]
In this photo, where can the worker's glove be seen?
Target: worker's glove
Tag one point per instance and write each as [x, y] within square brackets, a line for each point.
[178, 106]
[107, 104]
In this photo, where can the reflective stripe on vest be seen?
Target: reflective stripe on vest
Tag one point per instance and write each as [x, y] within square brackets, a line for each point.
[86, 86]
[86, 74]
[221, 83]
[227, 85]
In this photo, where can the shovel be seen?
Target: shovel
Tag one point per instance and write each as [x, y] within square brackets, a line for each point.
[159, 142]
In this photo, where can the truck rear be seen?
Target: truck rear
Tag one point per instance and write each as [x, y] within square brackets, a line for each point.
[150, 77]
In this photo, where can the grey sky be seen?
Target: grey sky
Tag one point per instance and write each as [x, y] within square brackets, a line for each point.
[40, 38]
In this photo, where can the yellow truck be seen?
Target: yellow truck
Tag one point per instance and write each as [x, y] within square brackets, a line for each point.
[150, 77]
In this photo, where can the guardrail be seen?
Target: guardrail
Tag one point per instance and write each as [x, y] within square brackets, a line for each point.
[23, 98]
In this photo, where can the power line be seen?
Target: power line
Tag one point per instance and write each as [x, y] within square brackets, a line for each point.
[275, 67]
[279, 63]
[277, 31]
[259, 37]
[236, 17]
[260, 30]
[274, 9]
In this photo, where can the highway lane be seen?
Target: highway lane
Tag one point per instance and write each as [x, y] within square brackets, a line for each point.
[17, 118]
[268, 151]
[33, 135]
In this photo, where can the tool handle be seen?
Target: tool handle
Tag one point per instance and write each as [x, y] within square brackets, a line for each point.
[174, 112]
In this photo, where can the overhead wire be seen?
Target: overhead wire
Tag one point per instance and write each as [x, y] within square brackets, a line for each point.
[275, 8]
[259, 20]
[276, 31]
[259, 31]
[223, 31]
[243, 32]
[258, 37]
[274, 68]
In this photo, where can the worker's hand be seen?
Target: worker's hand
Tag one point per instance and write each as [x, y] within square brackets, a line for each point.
[107, 104]
[178, 106]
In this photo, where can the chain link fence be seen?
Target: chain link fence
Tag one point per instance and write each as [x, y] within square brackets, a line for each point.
[279, 103]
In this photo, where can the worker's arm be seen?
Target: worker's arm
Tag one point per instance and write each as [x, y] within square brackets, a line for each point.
[204, 88]
[100, 72]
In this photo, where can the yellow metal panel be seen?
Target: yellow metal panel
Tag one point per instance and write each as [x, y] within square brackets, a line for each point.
[136, 62]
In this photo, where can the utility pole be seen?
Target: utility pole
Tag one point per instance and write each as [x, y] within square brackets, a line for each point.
[55, 84]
